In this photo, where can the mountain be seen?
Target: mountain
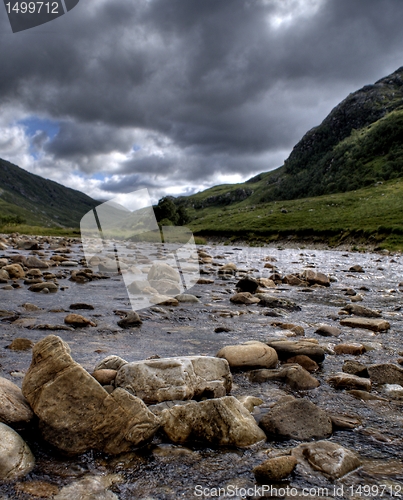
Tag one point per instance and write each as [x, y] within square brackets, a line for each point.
[358, 144]
[39, 201]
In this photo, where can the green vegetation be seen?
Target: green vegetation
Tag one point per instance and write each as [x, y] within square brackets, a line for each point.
[169, 214]
[370, 215]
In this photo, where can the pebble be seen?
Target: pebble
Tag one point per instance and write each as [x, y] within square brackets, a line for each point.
[77, 321]
[275, 469]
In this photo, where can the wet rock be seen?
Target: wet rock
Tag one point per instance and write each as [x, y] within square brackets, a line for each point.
[385, 373]
[293, 280]
[165, 287]
[343, 380]
[4, 276]
[40, 287]
[52, 327]
[162, 271]
[16, 459]
[111, 363]
[307, 363]
[296, 419]
[354, 349]
[329, 458]
[296, 329]
[250, 402]
[345, 421]
[356, 269]
[393, 391]
[358, 310]
[223, 421]
[81, 305]
[266, 283]
[187, 298]
[271, 301]
[20, 344]
[78, 321]
[31, 307]
[75, 413]
[131, 320]
[38, 489]
[295, 376]
[204, 281]
[227, 270]
[355, 368]
[34, 262]
[14, 409]
[364, 395]
[104, 376]
[288, 348]
[164, 300]
[247, 284]
[249, 355]
[376, 325]
[316, 278]
[90, 488]
[275, 469]
[328, 331]
[15, 271]
[244, 298]
[168, 379]
[221, 329]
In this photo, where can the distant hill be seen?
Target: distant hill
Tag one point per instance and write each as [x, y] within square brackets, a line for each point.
[358, 144]
[39, 201]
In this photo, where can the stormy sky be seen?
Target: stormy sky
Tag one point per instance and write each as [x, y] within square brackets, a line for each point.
[179, 95]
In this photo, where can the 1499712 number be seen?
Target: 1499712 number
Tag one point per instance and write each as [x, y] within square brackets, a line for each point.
[33, 7]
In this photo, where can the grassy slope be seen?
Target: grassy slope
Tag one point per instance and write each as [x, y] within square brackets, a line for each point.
[372, 214]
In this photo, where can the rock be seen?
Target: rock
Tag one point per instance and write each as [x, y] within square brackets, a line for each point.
[266, 283]
[307, 363]
[81, 305]
[75, 413]
[34, 262]
[223, 421]
[187, 298]
[293, 280]
[204, 281]
[275, 469]
[168, 379]
[328, 331]
[376, 325]
[39, 287]
[267, 300]
[296, 329]
[247, 284]
[130, 320]
[16, 459]
[355, 368]
[250, 402]
[354, 349]
[288, 348]
[329, 458]
[345, 421]
[162, 271]
[358, 310]
[244, 298]
[4, 276]
[164, 300]
[90, 488]
[227, 270]
[343, 380]
[249, 355]
[78, 321]
[295, 376]
[104, 377]
[20, 344]
[316, 278]
[111, 363]
[15, 271]
[386, 373]
[38, 489]
[356, 269]
[164, 287]
[296, 419]
[364, 395]
[30, 307]
[14, 409]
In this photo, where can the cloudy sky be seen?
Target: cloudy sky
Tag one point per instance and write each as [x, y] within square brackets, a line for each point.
[179, 95]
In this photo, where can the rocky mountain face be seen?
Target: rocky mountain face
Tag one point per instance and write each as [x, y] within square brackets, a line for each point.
[40, 201]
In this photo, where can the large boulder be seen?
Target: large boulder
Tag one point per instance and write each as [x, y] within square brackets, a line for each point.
[16, 459]
[223, 421]
[249, 355]
[75, 412]
[169, 379]
[299, 419]
[14, 409]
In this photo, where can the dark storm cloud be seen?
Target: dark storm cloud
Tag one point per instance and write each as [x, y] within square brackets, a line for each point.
[223, 85]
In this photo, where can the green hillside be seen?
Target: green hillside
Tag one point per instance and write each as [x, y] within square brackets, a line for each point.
[39, 202]
[371, 215]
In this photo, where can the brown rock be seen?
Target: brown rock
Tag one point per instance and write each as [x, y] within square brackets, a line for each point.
[316, 278]
[104, 377]
[34, 262]
[77, 321]
[362, 311]
[244, 298]
[386, 373]
[376, 325]
[14, 408]
[354, 349]
[275, 469]
[249, 355]
[130, 320]
[355, 368]
[307, 363]
[75, 412]
[328, 331]
[15, 271]
[20, 344]
[343, 380]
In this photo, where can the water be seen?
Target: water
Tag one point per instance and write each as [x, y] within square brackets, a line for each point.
[165, 471]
